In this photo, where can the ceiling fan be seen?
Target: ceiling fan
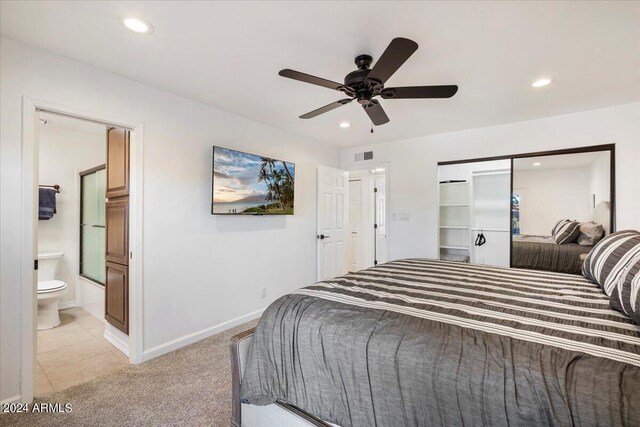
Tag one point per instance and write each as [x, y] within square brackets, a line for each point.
[366, 83]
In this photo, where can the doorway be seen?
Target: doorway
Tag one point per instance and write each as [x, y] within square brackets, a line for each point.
[71, 276]
[63, 326]
[368, 230]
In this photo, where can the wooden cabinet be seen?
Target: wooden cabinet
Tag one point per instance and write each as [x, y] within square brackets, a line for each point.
[117, 230]
[117, 162]
[117, 223]
[117, 296]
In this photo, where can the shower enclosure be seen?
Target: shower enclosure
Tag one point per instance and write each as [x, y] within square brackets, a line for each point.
[92, 224]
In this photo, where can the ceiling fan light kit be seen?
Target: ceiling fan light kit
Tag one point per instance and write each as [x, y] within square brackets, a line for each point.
[364, 84]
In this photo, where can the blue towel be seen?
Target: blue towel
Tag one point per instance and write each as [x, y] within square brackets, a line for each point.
[47, 203]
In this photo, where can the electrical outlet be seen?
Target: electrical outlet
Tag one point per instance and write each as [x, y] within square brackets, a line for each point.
[263, 293]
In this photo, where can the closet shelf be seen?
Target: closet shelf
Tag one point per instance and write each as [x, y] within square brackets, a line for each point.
[463, 248]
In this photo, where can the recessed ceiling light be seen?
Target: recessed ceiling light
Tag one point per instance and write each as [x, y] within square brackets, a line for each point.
[344, 125]
[138, 25]
[541, 82]
[536, 163]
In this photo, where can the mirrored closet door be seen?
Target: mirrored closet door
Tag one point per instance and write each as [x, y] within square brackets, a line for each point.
[562, 206]
[539, 211]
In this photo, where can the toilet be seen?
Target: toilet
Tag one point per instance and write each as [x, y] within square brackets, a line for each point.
[50, 290]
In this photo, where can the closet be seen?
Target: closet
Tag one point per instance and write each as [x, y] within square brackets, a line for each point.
[475, 212]
[500, 211]
[117, 230]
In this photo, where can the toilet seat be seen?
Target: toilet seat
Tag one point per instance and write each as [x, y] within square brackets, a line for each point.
[50, 286]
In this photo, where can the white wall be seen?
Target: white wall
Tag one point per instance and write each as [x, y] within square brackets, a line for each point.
[549, 195]
[63, 154]
[413, 165]
[199, 270]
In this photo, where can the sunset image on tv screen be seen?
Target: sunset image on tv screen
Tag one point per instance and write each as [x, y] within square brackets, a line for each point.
[247, 184]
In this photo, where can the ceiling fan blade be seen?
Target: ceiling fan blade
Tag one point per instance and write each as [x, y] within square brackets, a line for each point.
[376, 113]
[446, 91]
[326, 108]
[398, 51]
[308, 78]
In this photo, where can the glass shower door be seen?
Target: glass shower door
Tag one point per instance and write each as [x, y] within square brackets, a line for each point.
[92, 225]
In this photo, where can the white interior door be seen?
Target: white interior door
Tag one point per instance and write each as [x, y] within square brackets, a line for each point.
[355, 224]
[380, 220]
[333, 217]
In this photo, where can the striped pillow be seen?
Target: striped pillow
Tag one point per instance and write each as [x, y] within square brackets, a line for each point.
[625, 296]
[565, 231]
[607, 260]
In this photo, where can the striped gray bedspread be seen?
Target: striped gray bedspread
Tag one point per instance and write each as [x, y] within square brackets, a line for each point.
[420, 342]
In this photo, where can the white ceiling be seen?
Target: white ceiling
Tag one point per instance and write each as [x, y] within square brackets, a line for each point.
[228, 55]
[561, 161]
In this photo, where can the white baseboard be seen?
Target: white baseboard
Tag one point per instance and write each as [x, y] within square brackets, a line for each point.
[197, 336]
[116, 341]
[13, 399]
[66, 304]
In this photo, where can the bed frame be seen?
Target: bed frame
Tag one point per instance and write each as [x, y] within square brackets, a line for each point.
[274, 415]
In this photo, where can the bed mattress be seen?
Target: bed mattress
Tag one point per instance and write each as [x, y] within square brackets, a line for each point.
[421, 342]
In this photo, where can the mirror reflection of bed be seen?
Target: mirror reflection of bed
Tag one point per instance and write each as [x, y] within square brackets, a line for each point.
[560, 209]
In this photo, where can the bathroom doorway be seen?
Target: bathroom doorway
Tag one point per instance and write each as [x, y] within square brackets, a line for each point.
[368, 212]
[70, 346]
[66, 340]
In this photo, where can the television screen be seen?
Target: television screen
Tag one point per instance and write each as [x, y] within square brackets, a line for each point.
[247, 184]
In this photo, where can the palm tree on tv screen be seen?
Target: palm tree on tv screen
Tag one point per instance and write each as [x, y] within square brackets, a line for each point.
[279, 182]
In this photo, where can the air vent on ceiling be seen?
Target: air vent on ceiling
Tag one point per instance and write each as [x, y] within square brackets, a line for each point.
[367, 155]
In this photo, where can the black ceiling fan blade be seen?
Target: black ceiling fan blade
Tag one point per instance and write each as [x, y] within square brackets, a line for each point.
[408, 92]
[376, 113]
[308, 78]
[398, 51]
[326, 108]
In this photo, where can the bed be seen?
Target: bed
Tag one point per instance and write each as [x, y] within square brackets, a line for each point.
[421, 342]
[543, 253]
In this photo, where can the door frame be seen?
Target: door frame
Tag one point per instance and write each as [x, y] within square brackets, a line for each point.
[387, 205]
[29, 236]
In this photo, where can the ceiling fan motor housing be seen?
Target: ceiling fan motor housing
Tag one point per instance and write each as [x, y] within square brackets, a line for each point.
[356, 83]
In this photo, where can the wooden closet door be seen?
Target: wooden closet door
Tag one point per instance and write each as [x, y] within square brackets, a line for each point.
[117, 296]
[117, 230]
[117, 162]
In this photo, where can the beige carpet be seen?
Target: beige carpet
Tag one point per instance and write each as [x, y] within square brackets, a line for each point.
[189, 387]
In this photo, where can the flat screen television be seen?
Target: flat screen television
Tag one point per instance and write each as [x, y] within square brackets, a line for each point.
[248, 184]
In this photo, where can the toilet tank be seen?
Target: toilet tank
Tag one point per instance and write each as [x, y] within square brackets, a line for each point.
[47, 265]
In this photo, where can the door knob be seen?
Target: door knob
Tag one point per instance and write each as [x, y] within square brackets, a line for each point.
[322, 236]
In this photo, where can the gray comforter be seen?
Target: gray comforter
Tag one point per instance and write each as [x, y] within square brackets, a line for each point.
[543, 253]
[427, 343]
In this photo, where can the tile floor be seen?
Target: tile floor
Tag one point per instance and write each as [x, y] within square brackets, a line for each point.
[74, 353]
